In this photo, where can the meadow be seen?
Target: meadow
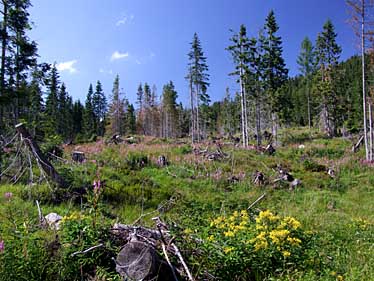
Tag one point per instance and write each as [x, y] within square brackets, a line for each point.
[321, 230]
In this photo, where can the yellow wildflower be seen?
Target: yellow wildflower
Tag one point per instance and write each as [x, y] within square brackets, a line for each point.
[261, 245]
[227, 250]
[339, 278]
[267, 215]
[211, 238]
[294, 241]
[188, 231]
[286, 254]
[229, 233]
[292, 222]
[278, 235]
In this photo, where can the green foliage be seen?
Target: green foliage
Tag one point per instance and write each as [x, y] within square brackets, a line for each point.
[137, 160]
[310, 165]
[237, 248]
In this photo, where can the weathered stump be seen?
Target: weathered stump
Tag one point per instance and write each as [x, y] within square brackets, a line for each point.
[78, 156]
[140, 261]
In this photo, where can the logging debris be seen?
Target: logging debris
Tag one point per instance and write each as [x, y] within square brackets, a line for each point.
[138, 258]
[258, 178]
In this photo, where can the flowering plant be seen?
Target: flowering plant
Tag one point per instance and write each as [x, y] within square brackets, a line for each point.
[255, 248]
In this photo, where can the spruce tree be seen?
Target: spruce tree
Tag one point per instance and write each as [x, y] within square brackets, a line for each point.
[78, 110]
[199, 83]
[18, 57]
[240, 54]
[99, 105]
[275, 71]
[328, 53]
[52, 103]
[169, 111]
[129, 118]
[89, 119]
[116, 110]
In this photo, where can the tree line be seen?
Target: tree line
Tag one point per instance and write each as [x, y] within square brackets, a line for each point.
[325, 94]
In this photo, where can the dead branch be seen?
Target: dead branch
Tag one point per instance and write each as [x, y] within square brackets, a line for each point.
[87, 250]
[256, 201]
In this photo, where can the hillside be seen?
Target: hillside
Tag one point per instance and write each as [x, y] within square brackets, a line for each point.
[195, 196]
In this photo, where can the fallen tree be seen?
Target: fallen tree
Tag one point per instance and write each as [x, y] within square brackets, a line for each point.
[42, 161]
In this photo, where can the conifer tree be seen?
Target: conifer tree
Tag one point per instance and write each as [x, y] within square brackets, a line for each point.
[116, 110]
[18, 57]
[362, 13]
[199, 82]
[275, 71]
[35, 108]
[328, 53]
[99, 105]
[240, 55]
[52, 102]
[129, 118]
[89, 119]
[78, 110]
[307, 66]
[169, 111]
[140, 113]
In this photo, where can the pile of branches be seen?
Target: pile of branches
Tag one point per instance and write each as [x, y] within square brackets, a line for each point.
[215, 155]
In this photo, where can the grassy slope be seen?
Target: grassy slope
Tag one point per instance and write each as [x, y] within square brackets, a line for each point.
[202, 191]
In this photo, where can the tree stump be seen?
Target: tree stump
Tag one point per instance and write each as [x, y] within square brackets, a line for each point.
[78, 156]
[140, 261]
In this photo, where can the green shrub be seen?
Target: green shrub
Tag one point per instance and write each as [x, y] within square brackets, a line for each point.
[136, 160]
[238, 249]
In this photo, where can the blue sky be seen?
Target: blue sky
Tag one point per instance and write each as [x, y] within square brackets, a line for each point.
[148, 41]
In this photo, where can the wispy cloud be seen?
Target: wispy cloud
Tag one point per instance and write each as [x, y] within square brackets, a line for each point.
[104, 71]
[118, 55]
[67, 66]
[145, 59]
[125, 20]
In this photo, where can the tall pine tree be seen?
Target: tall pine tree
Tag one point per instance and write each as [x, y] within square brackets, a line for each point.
[199, 82]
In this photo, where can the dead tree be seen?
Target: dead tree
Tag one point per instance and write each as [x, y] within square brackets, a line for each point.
[39, 156]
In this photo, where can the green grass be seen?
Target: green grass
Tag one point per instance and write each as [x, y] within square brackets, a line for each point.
[200, 190]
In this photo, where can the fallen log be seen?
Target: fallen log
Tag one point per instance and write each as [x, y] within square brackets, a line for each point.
[39, 156]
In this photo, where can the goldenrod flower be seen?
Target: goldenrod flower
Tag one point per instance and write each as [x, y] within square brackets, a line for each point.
[227, 250]
[286, 254]
[229, 233]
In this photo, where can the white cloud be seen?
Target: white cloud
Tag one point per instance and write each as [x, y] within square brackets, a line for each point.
[118, 55]
[67, 66]
[126, 19]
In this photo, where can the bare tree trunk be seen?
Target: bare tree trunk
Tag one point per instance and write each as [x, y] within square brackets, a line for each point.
[363, 79]
[192, 112]
[3, 55]
[197, 113]
[274, 128]
[258, 119]
[370, 132]
[243, 108]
